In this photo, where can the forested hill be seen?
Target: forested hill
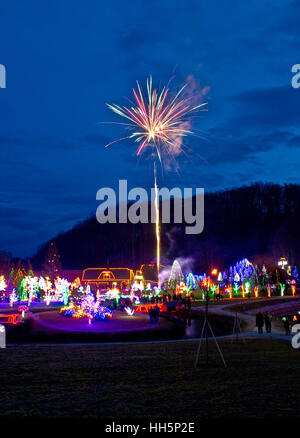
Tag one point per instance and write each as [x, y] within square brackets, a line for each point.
[260, 222]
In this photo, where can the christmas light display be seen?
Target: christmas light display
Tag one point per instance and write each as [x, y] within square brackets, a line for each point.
[3, 283]
[282, 287]
[13, 298]
[33, 287]
[88, 308]
[191, 281]
[129, 311]
[62, 290]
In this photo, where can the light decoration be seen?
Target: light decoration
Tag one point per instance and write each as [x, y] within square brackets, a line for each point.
[139, 275]
[88, 308]
[180, 288]
[187, 290]
[42, 284]
[282, 287]
[157, 290]
[45, 285]
[243, 290]
[191, 281]
[236, 288]
[247, 287]
[129, 311]
[62, 290]
[293, 290]
[113, 294]
[33, 286]
[3, 283]
[295, 273]
[23, 309]
[237, 278]
[76, 283]
[176, 275]
[256, 291]
[269, 290]
[213, 288]
[138, 288]
[48, 290]
[13, 298]
[241, 271]
[282, 263]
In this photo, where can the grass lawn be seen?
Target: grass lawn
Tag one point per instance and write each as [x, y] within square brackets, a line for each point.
[150, 380]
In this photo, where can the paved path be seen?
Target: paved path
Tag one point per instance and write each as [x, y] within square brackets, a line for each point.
[250, 318]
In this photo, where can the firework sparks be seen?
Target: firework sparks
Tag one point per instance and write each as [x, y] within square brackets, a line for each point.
[159, 120]
[157, 230]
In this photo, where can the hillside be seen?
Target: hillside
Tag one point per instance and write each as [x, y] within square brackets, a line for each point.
[260, 222]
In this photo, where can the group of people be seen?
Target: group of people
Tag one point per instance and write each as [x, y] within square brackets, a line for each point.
[264, 320]
[153, 314]
[180, 300]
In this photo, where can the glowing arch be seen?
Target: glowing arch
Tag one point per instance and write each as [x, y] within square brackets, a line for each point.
[176, 273]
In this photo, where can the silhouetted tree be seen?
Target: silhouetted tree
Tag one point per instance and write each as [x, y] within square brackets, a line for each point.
[52, 264]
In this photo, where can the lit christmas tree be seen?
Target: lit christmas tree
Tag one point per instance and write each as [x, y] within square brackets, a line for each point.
[52, 264]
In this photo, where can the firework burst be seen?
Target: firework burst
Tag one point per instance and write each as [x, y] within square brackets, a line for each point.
[159, 120]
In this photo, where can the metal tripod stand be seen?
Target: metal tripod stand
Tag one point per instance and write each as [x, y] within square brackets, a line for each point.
[237, 331]
[206, 327]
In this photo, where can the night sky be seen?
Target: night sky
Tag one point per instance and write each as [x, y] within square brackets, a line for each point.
[66, 59]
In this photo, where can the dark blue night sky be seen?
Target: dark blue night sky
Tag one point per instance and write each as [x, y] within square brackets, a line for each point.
[66, 59]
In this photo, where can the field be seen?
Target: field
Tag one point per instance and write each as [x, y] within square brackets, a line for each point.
[150, 380]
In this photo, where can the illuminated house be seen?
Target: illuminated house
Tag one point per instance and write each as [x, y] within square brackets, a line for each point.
[105, 277]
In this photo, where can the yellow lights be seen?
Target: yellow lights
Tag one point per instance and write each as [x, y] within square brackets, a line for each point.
[282, 263]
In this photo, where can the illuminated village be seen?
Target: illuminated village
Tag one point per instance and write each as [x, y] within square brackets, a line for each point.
[98, 292]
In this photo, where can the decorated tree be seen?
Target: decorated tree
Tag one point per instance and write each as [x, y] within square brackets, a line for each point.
[52, 264]
[295, 272]
[23, 290]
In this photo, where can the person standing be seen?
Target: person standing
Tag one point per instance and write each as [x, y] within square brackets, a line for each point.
[260, 322]
[189, 303]
[150, 312]
[286, 324]
[268, 323]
